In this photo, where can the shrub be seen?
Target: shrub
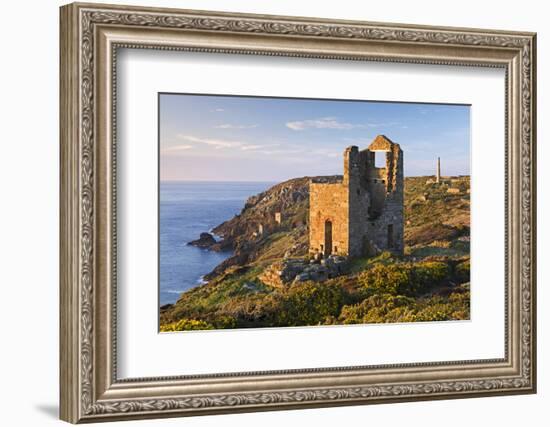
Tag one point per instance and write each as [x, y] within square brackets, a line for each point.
[224, 322]
[434, 312]
[308, 303]
[390, 309]
[386, 279]
[186, 325]
[360, 264]
[428, 274]
[462, 272]
[404, 279]
[382, 308]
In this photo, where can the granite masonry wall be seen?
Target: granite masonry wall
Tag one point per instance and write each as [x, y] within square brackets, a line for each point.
[329, 217]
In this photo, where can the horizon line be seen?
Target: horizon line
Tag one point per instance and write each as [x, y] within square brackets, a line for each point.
[287, 179]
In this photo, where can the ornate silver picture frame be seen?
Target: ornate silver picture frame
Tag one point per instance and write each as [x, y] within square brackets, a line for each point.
[91, 34]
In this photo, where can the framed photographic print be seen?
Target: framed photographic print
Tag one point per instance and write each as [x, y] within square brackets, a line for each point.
[265, 212]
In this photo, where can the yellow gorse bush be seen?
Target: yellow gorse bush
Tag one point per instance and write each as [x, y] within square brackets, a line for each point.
[186, 325]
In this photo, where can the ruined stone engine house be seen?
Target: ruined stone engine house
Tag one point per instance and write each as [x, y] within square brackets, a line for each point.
[360, 214]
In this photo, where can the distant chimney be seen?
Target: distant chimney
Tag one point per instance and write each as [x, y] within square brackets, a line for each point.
[438, 174]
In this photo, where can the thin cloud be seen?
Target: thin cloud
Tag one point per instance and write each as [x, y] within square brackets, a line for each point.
[177, 148]
[216, 143]
[333, 123]
[284, 152]
[251, 147]
[322, 123]
[231, 126]
[219, 144]
[384, 124]
[217, 110]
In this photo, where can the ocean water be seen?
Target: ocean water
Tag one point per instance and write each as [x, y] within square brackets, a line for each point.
[186, 210]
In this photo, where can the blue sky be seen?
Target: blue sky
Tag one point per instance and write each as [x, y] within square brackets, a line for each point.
[232, 138]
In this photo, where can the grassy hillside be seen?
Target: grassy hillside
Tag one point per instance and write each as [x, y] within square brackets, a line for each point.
[437, 222]
[430, 282]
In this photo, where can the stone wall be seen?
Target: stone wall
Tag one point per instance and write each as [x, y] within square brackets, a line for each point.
[385, 226]
[328, 204]
[355, 166]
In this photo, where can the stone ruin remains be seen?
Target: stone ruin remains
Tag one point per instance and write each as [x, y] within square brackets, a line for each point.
[359, 214]
[362, 213]
[295, 270]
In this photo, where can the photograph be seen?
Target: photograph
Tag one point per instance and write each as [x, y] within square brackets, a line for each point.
[278, 212]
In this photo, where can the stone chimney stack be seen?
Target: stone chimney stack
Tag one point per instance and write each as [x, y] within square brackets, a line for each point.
[438, 174]
[351, 167]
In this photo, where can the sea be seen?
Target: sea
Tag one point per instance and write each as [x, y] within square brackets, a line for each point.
[188, 208]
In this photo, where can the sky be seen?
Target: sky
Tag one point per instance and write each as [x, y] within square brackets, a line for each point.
[235, 138]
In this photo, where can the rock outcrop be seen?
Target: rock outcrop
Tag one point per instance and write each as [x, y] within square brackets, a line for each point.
[205, 240]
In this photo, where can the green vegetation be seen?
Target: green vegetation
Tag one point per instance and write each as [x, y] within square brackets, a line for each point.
[186, 325]
[430, 282]
[401, 291]
[410, 292]
[384, 308]
[436, 219]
